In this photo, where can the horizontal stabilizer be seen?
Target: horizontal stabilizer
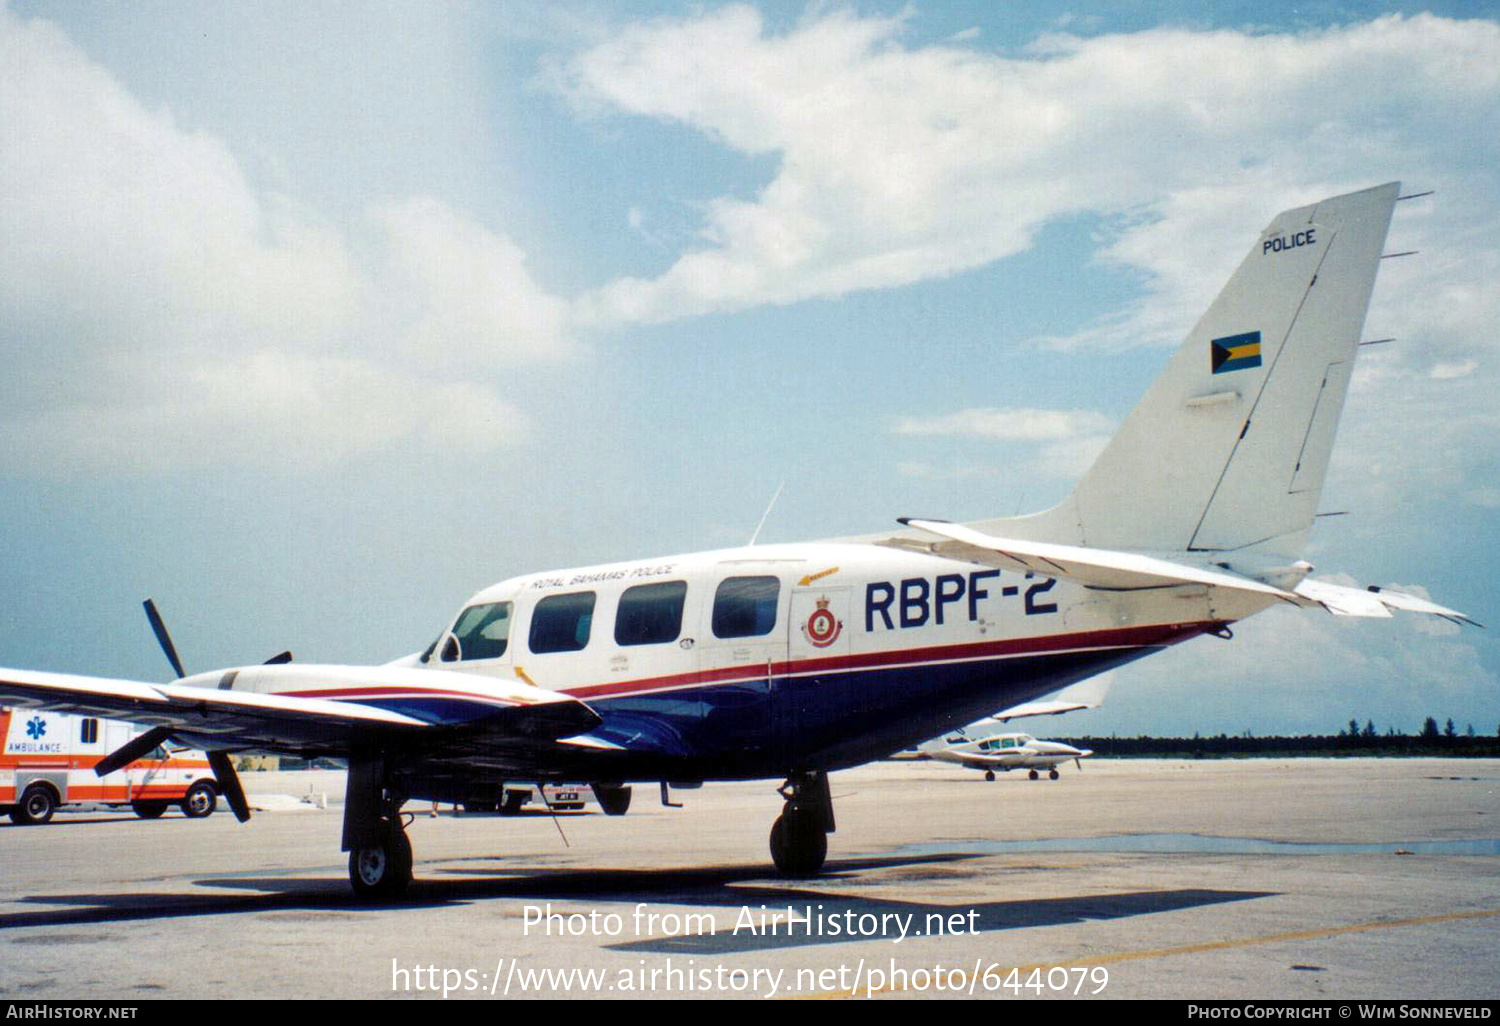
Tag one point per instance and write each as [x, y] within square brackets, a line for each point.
[1103, 569]
[1345, 601]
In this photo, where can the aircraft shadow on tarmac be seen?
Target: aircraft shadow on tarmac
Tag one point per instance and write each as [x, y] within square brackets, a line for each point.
[728, 889]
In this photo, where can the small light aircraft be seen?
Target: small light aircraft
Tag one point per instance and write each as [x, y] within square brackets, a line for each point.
[1088, 694]
[1006, 752]
[792, 661]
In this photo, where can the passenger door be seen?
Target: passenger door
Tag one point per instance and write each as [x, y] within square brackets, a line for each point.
[741, 650]
[811, 698]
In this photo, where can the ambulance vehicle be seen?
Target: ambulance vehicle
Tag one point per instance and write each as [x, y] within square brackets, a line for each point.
[48, 761]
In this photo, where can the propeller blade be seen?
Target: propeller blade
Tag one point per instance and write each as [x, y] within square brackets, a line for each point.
[132, 750]
[163, 637]
[277, 660]
[229, 784]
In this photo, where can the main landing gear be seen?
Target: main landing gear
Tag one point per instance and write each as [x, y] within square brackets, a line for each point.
[799, 837]
[380, 857]
[380, 869]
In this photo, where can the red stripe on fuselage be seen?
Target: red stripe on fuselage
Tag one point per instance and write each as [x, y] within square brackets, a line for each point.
[1127, 637]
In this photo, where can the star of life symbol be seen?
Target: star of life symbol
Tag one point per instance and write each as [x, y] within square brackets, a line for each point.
[822, 628]
[36, 727]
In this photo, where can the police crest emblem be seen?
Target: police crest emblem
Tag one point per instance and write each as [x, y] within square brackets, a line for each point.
[822, 628]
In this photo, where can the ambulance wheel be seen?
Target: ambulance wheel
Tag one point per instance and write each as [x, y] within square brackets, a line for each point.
[36, 806]
[1052, 775]
[201, 800]
[149, 810]
[798, 844]
[1032, 776]
[381, 871]
[989, 774]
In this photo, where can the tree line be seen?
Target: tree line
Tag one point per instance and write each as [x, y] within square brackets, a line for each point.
[1352, 740]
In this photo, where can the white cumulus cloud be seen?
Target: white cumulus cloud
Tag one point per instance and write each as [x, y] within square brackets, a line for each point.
[163, 311]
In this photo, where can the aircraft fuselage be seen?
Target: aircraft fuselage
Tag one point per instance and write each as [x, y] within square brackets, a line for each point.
[763, 661]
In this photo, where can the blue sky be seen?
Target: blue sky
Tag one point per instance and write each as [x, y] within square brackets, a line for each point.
[320, 318]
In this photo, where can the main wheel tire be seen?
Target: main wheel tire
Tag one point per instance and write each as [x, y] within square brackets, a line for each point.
[201, 800]
[514, 801]
[1052, 775]
[798, 845]
[1032, 775]
[381, 872]
[989, 774]
[149, 810]
[36, 806]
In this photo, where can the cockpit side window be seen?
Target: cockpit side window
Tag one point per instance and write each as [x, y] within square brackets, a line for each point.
[482, 631]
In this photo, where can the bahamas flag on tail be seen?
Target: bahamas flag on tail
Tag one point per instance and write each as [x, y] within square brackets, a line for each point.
[1235, 352]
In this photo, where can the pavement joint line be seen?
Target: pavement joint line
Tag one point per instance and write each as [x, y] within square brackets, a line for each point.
[1189, 949]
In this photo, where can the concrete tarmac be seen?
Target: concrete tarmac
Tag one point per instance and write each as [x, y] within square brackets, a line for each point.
[1260, 879]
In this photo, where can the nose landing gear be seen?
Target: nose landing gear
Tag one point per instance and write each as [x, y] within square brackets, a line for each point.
[799, 837]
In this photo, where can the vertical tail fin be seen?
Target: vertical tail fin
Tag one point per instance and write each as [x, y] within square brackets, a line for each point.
[1230, 444]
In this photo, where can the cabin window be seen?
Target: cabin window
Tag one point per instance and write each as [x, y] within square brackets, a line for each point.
[745, 607]
[561, 623]
[88, 731]
[482, 632]
[650, 614]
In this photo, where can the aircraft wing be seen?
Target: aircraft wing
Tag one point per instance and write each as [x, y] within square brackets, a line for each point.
[1104, 569]
[1088, 694]
[1051, 707]
[445, 708]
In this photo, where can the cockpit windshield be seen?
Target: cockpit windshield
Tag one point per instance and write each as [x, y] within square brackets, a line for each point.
[482, 632]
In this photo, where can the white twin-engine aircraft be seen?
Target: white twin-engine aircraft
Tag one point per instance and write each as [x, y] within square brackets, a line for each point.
[791, 661]
[1006, 752]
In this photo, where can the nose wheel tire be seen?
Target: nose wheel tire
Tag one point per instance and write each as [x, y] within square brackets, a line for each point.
[200, 801]
[798, 844]
[381, 871]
